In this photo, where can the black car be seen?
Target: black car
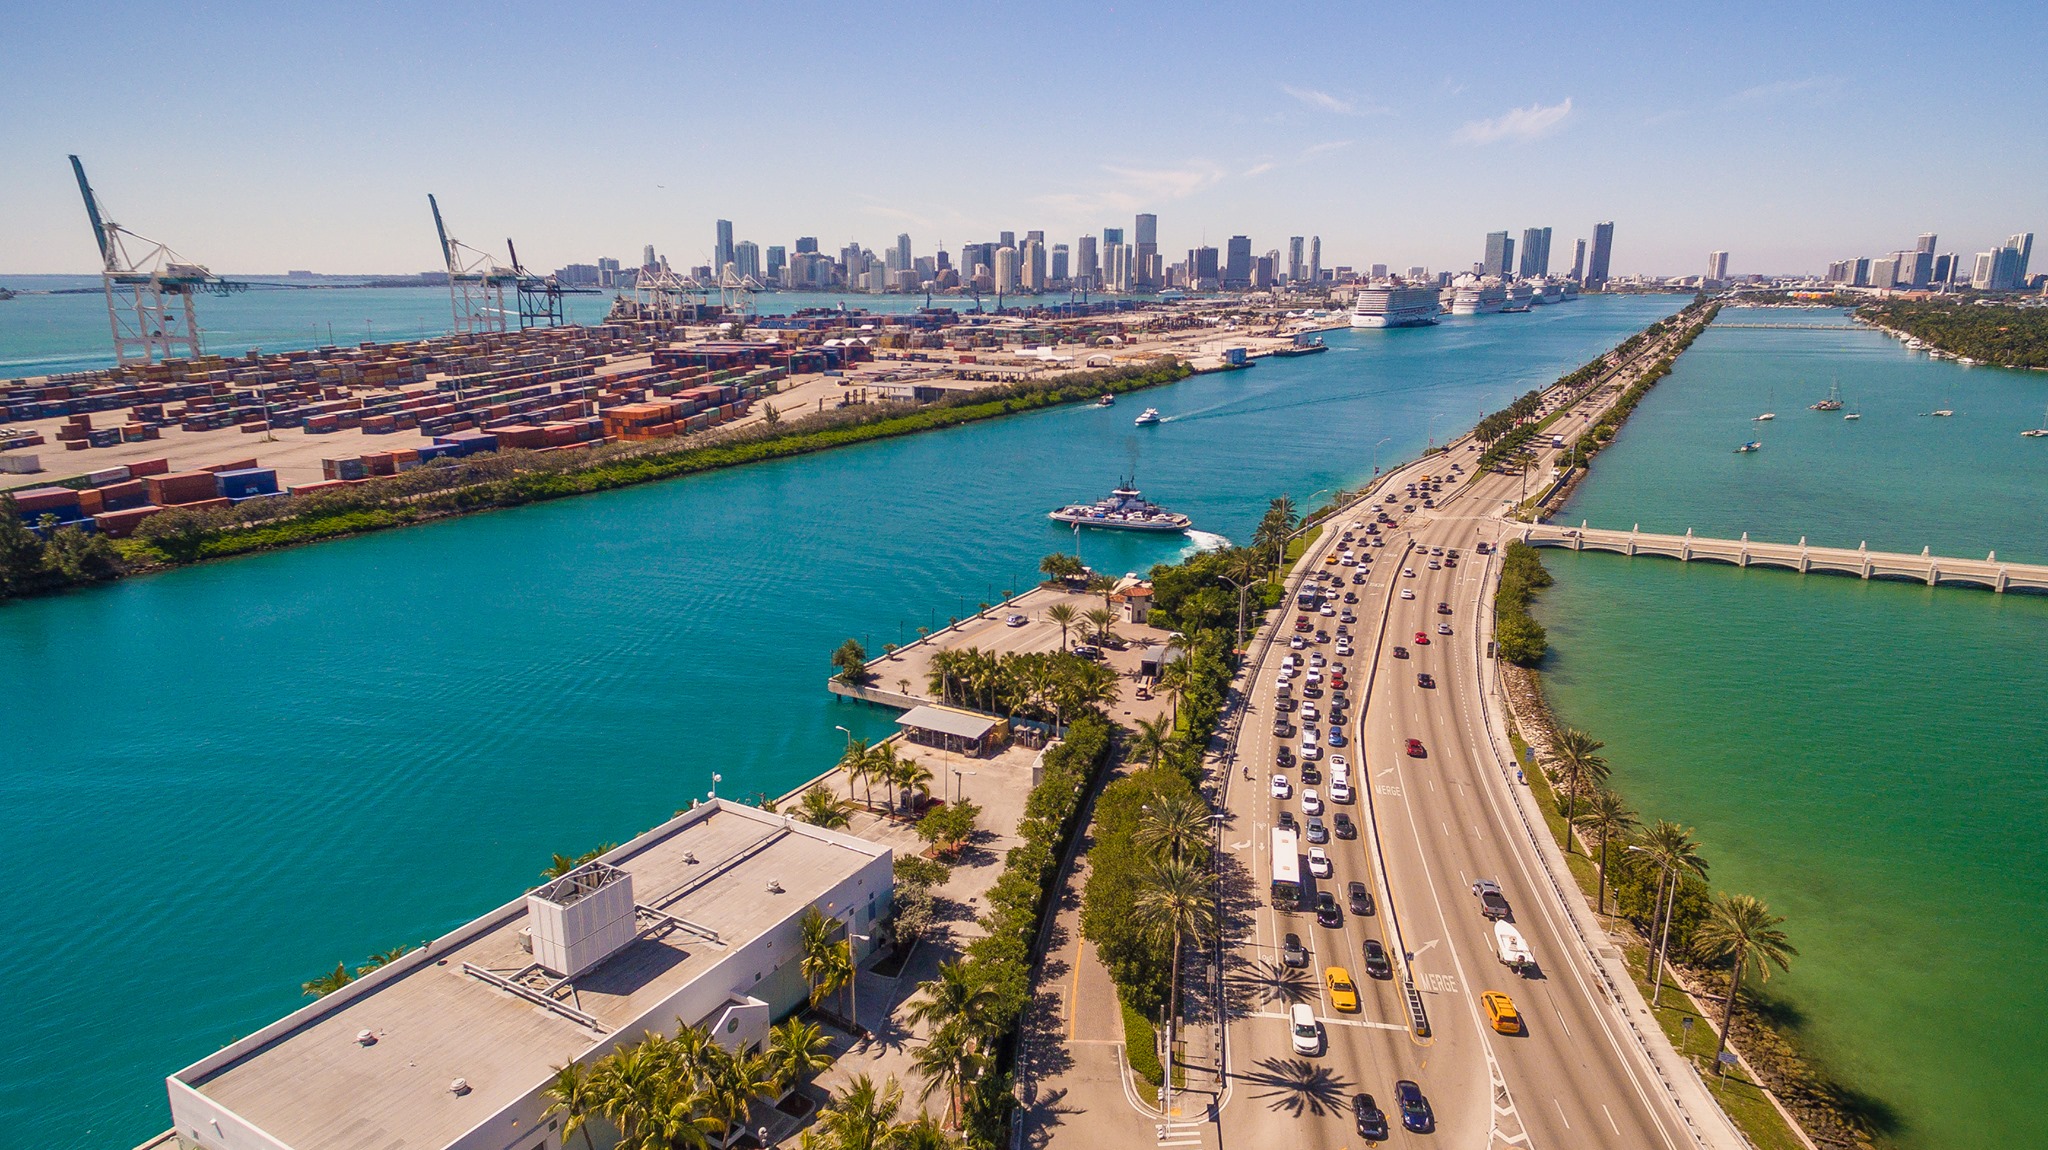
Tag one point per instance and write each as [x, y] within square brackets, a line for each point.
[1287, 819]
[1449, 562]
[1311, 691]
[1322, 636]
[1351, 596]
[1284, 705]
[1346, 829]
[1318, 833]
[1372, 1123]
[1292, 953]
[1327, 911]
[1283, 758]
[1443, 608]
[1358, 577]
[1415, 1113]
[1309, 775]
[1400, 652]
[1337, 718]
[1282, 729]
[1359, 898]
[1376, 963]
[1485, 548]
[1423, 680]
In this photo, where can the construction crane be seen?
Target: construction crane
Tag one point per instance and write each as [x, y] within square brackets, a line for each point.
[476, 282]
[149, 287]
[540, 297]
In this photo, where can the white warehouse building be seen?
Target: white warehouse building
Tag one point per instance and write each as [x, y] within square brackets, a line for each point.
[450, 1046]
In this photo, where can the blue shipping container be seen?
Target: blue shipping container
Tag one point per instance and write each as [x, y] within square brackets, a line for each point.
[245, 483]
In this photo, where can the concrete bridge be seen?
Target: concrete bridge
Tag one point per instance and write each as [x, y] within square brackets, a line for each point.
[1793, 326]
[1860, 561]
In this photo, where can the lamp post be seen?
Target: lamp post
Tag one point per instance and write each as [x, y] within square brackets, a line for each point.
[716, 778]
[1376, 454]
[1241, 589]
[853, 978]
[1432, 428]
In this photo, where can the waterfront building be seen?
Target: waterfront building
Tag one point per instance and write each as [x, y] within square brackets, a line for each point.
[577, 275]
[746, 259]
[1944, 269]
[1602, 252]
[1006, 270]
[1315, 258]
[1535, 252]
[1147, 269]
[1916, 268]
[1925, 244]
[807, 243]
[647, 257]
[1500, 255]
[1262, 271]
[903, 259]
[1297, 259]
[2022, 245]
[1237, 264]
[1060, 274]
[1884, 271]
[696, 922]
[1087, 268]
[771, 272]
[607, 272]
[721, 252]
[1578, 261]
[1717, 267]
[1031, 264]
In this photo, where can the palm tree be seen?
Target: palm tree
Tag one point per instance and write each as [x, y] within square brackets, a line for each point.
[1575, 757]
[912, 775]
[1176, 903]
[1152, 737]
[1741, 930]
[1102, 619]
[796, 1049]
[631, 1082]
[382, 958]
[854, 761]
[827, 962]
[1174, 827]
[923, 1133]
[734, 1080]
[1606, 818]
[958, 994]
[864, 1117]
[1174, 677]
[328, 983]
[574, 1094]
[1674, 851]
[559, 865]
[1064, 615]
[878, 765]
[947, 1059]
[821, 808]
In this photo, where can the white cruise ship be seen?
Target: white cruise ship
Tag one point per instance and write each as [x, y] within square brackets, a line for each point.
[1478, 296]
[1519, 297]
[1547, 291]
[1394, 305]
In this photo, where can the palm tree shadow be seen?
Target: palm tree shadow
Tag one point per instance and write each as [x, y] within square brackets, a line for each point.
[1268, 982]
[1296, 1086]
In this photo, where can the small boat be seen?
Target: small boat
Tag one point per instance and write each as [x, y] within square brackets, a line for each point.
[1942, 413]
[1752, 445]
[1106, 401]
[1766, 417]
[1147, 417]
[1834, 400]
[1854, 415]
[2040, 432]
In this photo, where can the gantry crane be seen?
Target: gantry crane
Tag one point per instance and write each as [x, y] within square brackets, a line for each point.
[149, 290]
[476, 282]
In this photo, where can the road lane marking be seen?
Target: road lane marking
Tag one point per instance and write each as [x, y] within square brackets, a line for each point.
[1560, 1112]
[1610, 1119]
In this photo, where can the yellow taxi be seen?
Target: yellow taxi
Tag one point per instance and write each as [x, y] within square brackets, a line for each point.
[1343, 991]
[1331, 558]
[1500, 1011]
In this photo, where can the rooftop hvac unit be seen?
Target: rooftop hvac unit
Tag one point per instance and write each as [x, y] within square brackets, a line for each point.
[580, 919]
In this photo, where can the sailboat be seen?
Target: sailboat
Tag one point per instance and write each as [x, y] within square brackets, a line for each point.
[2040, 432]
[1834, 400]
[1768, 416]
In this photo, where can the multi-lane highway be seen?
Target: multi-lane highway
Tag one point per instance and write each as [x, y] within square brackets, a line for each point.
[1585, 1069]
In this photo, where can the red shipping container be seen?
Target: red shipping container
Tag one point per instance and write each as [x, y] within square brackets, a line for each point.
[121, 524]
[238, 465]
[185, 487]
[91, 501]
[52, 499]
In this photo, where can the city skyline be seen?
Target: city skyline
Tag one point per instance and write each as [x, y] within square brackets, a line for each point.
[329, 169]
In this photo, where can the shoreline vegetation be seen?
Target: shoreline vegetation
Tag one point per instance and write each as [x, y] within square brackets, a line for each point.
[55, 561]
[1995, 334]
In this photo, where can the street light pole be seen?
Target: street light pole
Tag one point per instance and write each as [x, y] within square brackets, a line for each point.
[1376, 455]
[1664, 879]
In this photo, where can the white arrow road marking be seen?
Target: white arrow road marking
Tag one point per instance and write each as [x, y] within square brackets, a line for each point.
[1424, 948]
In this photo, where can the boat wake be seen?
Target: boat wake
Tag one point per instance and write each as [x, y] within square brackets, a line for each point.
[1200, 541]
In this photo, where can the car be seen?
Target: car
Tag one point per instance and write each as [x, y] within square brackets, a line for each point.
[1340, 764]
[1443, 628]
[1379, 543]
[1330, 559]
[1015, 620]
[1357, 579]
[1292, 953]
[1407, 572]
[1309, 750]
[1327, 611]
[1377, 964]
[1408, 507]
[1344, 827]
[1340, 789]
[1322, 636]
[1290, 661]
[1319, 863]
[1303, 1030]
[1347, 617]
[1415, 1114]
[1301, 623]
[1344, 648]
[1282, 729]
[1423, 680]
[1369, 1118]
[1297, 642]
[1500, 1011]
[1436, 551]
[1349, 561]
[1343, 991]
[1311, 803]
[1400, 652]
[1317, 662]
[1435, 566]
[1428, 503]
[1415, 750]
[1091, 653]
[1451, 554]
[1421, 639]
[1281, 787]
[1336, 737]
[1328, 913]
[1443, 608]
[1309, 775]
[1317, 832]
[1407, 593]
[1492, 903]
[1287, 820]
[1359, 898]
[1350, 597]
[1311, 691]
[1484, 548]
[1283, 758]
[1283, 704]
[1309, 714]
[1391, 497]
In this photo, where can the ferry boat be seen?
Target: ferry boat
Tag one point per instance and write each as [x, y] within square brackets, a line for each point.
[1147, 417]
[1395, 306]
[1106, 401]
[1304, 344]
[1124, 510]
[1834, 400]
[1478, 297]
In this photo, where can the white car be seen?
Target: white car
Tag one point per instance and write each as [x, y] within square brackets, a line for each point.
[1297, 642]
[1443, 628]
[1313, 676]
[1319, 863]
[1344, 650]
[1407, 572]
[1327, 611]
[1291, 660]
[1014, 620]
[1309, 714]
[1281, 787]
[1311, 802]
[1309, 751]
[1340, 789]
[1339, 765]
[1316, 659]
[1406, 593]
[1303, 1029]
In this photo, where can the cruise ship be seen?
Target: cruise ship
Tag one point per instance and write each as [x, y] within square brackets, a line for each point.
[1395, 306]
[1478, 297]
[1545, 291]
[1519, 296]
[1124, 510]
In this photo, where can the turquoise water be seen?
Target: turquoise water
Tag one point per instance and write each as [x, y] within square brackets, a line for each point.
[1866, 757]
[248, 771]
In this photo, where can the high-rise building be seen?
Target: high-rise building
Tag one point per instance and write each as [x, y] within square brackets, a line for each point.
[746, 259]
[1006, 239]
[807, 243]
[721, 252]
[1377, 271]
[1916, 268]
[1925, 243]
[1579, 261]
[778, 259]
[1145, 237]
[1717, 267]
[2022, 245]
[1262, 271]
[903, 259]
[647, 257]
[1060, 273]
[1944, 269]
[1031, 262]
[1006, 267]
[1500, 255]
[1202, 269]
[1111, 237]
[1237, 264]
[1884, 271]
[1603, 251]
[1535, 252]
[1315, 258]
[607, 272]
[1297, 258]
[1087, 268]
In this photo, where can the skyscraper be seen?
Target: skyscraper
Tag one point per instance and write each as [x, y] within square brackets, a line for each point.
[1237, 264]
[746, 259]
[1006, 267]
[1006, 239]
[721, 252]
[1031, 265]
[1202, 270]
[1500, 255]
[1717, 266]
[1315, 258]
[647, 256]
[1087, 270]
[1111, 237]
[778, 259]
[1535, 252]
[2022, 245]
[1579, 261]
[1146, 241]
[1925, 244]
[1296, 257]
[903, 259]
[1603, 250]
[1060, 273]
[807, 243]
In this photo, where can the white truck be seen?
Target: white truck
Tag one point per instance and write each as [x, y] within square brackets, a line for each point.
[1513, 950]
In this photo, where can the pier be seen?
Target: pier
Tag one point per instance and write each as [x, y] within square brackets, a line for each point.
[1859, 561]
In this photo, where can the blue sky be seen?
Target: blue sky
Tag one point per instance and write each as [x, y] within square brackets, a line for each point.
[256, 137]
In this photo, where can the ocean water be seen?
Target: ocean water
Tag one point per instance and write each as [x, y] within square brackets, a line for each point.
[248, 771]
[1865, 757]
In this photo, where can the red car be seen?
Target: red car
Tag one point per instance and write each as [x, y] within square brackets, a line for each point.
[1415, 750]
[1301, 623]
[1421, 639]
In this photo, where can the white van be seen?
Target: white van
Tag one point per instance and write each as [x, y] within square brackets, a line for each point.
[1306, 1031]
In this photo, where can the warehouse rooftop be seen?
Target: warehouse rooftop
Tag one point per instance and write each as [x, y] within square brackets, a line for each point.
[376, 1064]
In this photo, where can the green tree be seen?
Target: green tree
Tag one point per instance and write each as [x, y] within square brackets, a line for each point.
[796, 1050]
[21, 552]
[1576, 764]
[957, 994]
[851, 658]
[950, 827]
[383, 958]
[1177, 904]
[948, 1059]
[1150, 740]
[1676, 854]
[1605, 818]
[1741, 931]
[863, 1117]
[328, 983]
[1175, 827]
[821, 808]
[827, 959]
[1103, 620]
[575, 1094]
[1060, 565]
[75, 557]
[1064, 615]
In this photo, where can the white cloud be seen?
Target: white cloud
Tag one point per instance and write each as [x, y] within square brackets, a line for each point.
[1781, 90]
[1519, 124]
[1325, 148]
[1133, 189]
[1324, 101]
[1260, 168]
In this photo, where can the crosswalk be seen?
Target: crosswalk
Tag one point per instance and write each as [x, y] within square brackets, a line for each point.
[1180, 1133]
